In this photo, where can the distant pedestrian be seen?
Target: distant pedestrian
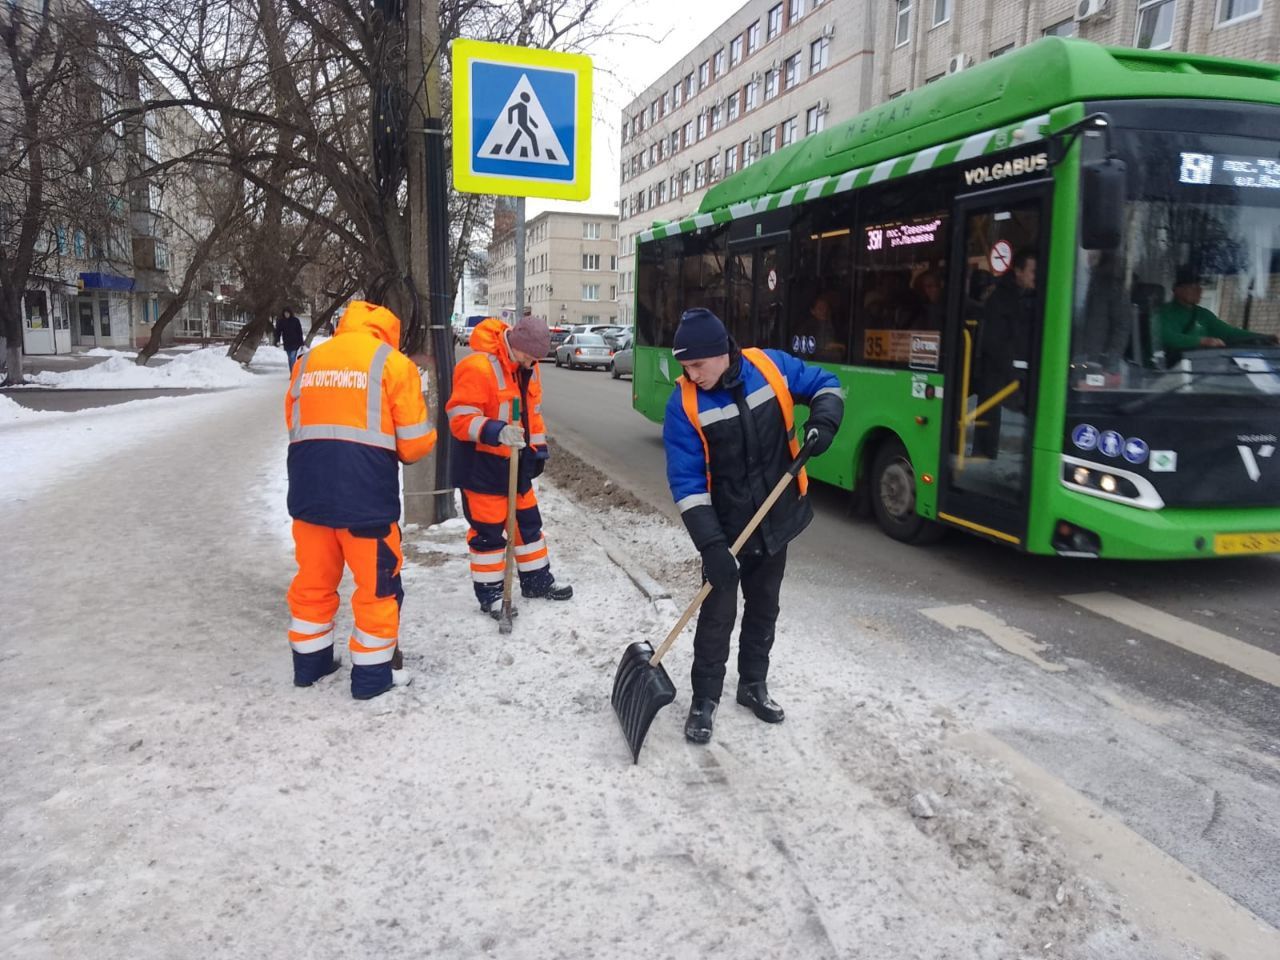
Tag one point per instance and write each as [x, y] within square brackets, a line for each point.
[730, 436]
[355, 412]
[289, 330]
[486, 386]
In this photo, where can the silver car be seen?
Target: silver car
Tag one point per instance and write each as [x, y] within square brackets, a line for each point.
[583, 350]
[623, 359]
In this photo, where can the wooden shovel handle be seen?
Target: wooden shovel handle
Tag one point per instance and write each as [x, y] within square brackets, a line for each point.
[738, 544]
[513, 483]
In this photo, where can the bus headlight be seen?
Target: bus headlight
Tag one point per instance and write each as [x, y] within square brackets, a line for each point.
[1110, 483]
[1081, 476]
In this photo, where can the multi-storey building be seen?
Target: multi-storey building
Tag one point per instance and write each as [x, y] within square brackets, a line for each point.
[779, 70]
[571, 266]
[774, 72]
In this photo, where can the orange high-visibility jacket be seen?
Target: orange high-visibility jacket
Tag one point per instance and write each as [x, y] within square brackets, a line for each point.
[484, 385]
[354, 410]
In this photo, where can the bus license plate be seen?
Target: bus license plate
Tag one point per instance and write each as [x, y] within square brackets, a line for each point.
[1229, 543]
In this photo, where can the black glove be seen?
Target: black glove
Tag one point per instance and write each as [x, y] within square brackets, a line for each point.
[819, 437]
[719, 568]
[531, 465]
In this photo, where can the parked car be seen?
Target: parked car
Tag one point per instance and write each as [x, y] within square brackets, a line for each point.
[558, 333]
[462, 332]
[615, 336]
[583, 350]
[623, 358]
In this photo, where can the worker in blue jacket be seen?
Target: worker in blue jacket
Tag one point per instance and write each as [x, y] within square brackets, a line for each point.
[730, 435]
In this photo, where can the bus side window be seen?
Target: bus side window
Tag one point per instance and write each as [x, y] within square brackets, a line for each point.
[822, 284]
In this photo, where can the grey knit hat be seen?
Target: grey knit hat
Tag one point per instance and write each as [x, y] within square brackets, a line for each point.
[530, 335]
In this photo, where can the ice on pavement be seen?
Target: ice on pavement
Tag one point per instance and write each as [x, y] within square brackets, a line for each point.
[168, 793]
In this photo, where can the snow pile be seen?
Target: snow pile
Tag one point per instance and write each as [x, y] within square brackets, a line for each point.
[206, 369]
[11, 411]
[107, 352]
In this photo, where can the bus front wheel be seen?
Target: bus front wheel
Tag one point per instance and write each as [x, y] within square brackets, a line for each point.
[893, 496]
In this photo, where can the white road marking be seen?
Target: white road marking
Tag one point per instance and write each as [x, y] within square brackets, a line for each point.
[1170, 901]
[1202, 641]
[1010, 639]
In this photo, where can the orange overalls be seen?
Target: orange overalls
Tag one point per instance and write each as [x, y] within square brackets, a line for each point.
[355, 411]
[486, 384]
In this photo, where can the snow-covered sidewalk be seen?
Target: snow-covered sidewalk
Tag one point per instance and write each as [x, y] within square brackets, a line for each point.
[168, 793]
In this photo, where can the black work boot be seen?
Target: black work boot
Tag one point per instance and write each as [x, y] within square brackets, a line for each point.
[697, 727]
[556, 591]
[756, 696]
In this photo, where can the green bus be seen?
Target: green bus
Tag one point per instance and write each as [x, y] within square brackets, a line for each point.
[1023, 276]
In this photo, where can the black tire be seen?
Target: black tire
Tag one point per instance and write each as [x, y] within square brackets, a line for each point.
[558, 360]
[613, 371]
[892, 491]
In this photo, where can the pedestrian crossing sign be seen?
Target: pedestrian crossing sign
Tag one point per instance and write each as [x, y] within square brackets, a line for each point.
[521, 121]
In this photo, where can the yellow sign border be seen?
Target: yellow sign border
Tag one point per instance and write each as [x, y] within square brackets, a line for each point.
[464, 53]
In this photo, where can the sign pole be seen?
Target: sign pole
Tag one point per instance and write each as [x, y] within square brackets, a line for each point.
[519, 310]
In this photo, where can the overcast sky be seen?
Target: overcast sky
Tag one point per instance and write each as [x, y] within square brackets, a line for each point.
[657, 34]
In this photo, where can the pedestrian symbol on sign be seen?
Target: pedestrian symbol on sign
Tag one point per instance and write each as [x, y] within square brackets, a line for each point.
[522, 130]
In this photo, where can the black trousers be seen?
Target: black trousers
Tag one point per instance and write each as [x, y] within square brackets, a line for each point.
[760, 579]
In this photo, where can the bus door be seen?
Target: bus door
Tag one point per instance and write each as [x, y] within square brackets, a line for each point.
[994, 335]
[757, 291]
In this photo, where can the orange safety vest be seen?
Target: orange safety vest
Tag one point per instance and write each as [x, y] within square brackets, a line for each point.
[773, 376]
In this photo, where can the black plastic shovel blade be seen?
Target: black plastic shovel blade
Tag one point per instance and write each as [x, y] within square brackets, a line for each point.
[639, 692]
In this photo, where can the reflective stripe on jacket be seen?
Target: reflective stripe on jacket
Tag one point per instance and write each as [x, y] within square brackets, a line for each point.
[485, 385]
[727, 447]
[355, 410]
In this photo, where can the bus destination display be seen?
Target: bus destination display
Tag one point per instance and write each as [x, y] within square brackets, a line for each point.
[1228, 170]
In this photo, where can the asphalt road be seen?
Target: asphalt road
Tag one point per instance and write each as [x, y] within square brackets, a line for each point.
[35, 398]
[1156, 693]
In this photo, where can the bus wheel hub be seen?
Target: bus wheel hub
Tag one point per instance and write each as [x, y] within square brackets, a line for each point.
[898, 489]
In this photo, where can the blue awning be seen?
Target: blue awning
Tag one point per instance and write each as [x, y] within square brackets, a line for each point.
[106, 281]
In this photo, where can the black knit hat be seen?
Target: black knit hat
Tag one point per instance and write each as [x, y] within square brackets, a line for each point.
[700, 335]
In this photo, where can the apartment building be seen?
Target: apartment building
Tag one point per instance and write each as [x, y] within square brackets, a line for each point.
[775, 72]
[922, 41]
[772, 73]
[571, 266]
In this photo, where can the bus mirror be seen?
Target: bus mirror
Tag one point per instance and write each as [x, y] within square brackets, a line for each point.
[1102, 192]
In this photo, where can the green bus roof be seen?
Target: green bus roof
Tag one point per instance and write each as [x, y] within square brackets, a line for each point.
[1033, 80]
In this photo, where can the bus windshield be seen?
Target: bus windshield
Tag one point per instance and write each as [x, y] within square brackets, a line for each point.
[1188, 305]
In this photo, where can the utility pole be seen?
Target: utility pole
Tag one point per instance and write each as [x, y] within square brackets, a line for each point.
[427, 492]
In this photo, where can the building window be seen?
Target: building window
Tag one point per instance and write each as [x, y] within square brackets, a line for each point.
[768, 141]
[1155, 25]
[675, 141]
[819, 55]
[104, 317]
[591, 231]
[1229, 11]
[702, 125]
[688, 87]
[688, 135]
[788, 131]
[753, 38]
[591, 261]
[704, 74]
[675, 95]
[941, 12]
[717, 118]
[613, 260]
[162, 255]
[748, 156]
[770, 84]
[686, 180]
[751, 95]
[731, 106]
[1063, 28]
[815, 118]
[653, 113]
[774, 20]
[731, 160]
[590, 291]
[903, 30]
[735, 51]
[1001, 51]
[795, 10]
[934, 79]
[613, 231]
[699, 175]
[666, 103]
[718, 64]
[791, 71]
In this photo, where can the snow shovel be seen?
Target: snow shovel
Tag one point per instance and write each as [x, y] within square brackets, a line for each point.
[509, 557]
[641, 687]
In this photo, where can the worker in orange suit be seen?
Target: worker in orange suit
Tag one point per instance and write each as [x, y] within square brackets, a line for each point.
[355, 412]
[486, 385]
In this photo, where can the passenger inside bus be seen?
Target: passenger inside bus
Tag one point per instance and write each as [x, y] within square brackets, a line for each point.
[1005, 338]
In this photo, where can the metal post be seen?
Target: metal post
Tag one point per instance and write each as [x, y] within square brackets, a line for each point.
[438, 272]
[519, 260]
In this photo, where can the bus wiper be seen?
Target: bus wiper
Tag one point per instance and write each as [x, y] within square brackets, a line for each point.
[1146, 401]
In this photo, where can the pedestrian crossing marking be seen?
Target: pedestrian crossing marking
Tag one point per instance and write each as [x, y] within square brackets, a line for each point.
[1007, 638]
[523, 125]
[1210, 644]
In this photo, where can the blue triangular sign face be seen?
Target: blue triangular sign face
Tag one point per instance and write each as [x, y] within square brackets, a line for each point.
[522, 131]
